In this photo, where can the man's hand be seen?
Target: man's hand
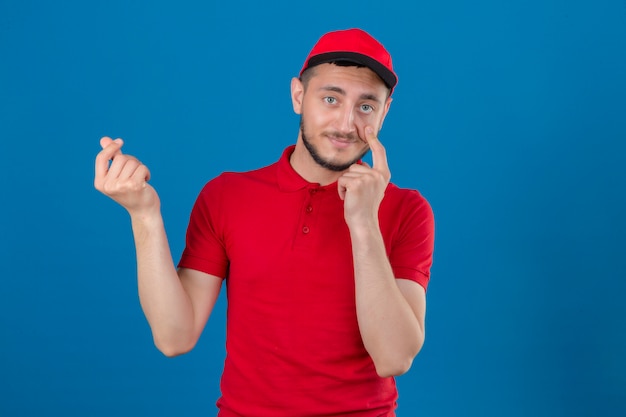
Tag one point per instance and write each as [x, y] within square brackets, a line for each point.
[362, 187]
[124, 179]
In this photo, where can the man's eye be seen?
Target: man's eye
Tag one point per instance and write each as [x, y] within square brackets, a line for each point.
[330, 100]
[366, 108]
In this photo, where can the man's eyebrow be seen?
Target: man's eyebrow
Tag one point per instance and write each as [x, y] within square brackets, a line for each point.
[339, 90]
[370, 97]
[333, 88]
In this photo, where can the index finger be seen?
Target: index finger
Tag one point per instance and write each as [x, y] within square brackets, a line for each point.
[110, 148]
[379, 155]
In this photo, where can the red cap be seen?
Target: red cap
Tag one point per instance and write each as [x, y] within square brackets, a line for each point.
[353, 45]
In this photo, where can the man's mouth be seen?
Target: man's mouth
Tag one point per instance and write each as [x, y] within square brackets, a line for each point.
[343, 139]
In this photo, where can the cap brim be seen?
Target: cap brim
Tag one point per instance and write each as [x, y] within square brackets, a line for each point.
[388, 77]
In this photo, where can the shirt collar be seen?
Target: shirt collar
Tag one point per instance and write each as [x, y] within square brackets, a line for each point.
[288, 178]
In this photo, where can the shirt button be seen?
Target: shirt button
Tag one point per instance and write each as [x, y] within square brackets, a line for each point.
[305, 229]
[312, 190]
[309, 209]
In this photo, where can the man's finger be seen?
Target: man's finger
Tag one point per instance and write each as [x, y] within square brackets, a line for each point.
[379, 156]
[142, 172]
[105, 141]
[342, 187]
[110, 149]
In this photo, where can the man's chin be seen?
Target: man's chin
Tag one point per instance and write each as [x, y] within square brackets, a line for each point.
[341, 160]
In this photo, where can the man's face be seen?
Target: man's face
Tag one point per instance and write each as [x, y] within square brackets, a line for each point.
[335, 107]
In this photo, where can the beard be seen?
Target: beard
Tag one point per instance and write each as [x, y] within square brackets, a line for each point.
[326, 163]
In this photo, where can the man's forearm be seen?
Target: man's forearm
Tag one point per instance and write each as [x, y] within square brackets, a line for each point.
[164, 301]
[391, 331]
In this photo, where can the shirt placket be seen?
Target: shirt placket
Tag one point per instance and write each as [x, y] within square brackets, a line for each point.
[307, 229]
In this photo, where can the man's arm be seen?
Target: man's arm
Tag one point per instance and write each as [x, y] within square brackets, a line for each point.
[390, 311]
[177, 304]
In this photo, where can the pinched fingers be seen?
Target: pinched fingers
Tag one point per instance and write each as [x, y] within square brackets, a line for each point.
[106, 141]
[124, 179]
[110, 149]
[117, 173]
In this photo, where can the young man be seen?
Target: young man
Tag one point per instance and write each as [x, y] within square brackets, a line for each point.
[326, 263]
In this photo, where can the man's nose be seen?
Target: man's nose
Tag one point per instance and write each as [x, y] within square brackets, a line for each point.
[346, 121]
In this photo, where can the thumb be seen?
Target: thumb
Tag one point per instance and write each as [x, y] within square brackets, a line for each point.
[341, 188]
[106, 141]
[342, 192]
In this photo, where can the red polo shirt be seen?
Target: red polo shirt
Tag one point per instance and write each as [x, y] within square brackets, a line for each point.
[293, 343]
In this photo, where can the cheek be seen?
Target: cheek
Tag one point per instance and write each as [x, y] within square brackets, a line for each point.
[316, 119]
[364, 121]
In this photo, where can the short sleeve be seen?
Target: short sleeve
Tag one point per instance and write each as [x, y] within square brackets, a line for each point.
[204, 245]
[411, 252]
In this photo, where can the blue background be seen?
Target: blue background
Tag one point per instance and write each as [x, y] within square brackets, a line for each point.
[510, 117]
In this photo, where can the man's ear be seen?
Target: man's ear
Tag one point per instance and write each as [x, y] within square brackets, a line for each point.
[297, 95]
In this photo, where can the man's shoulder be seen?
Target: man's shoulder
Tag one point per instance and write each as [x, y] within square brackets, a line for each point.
[238, 180]
[399, 202]
[395, 194]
